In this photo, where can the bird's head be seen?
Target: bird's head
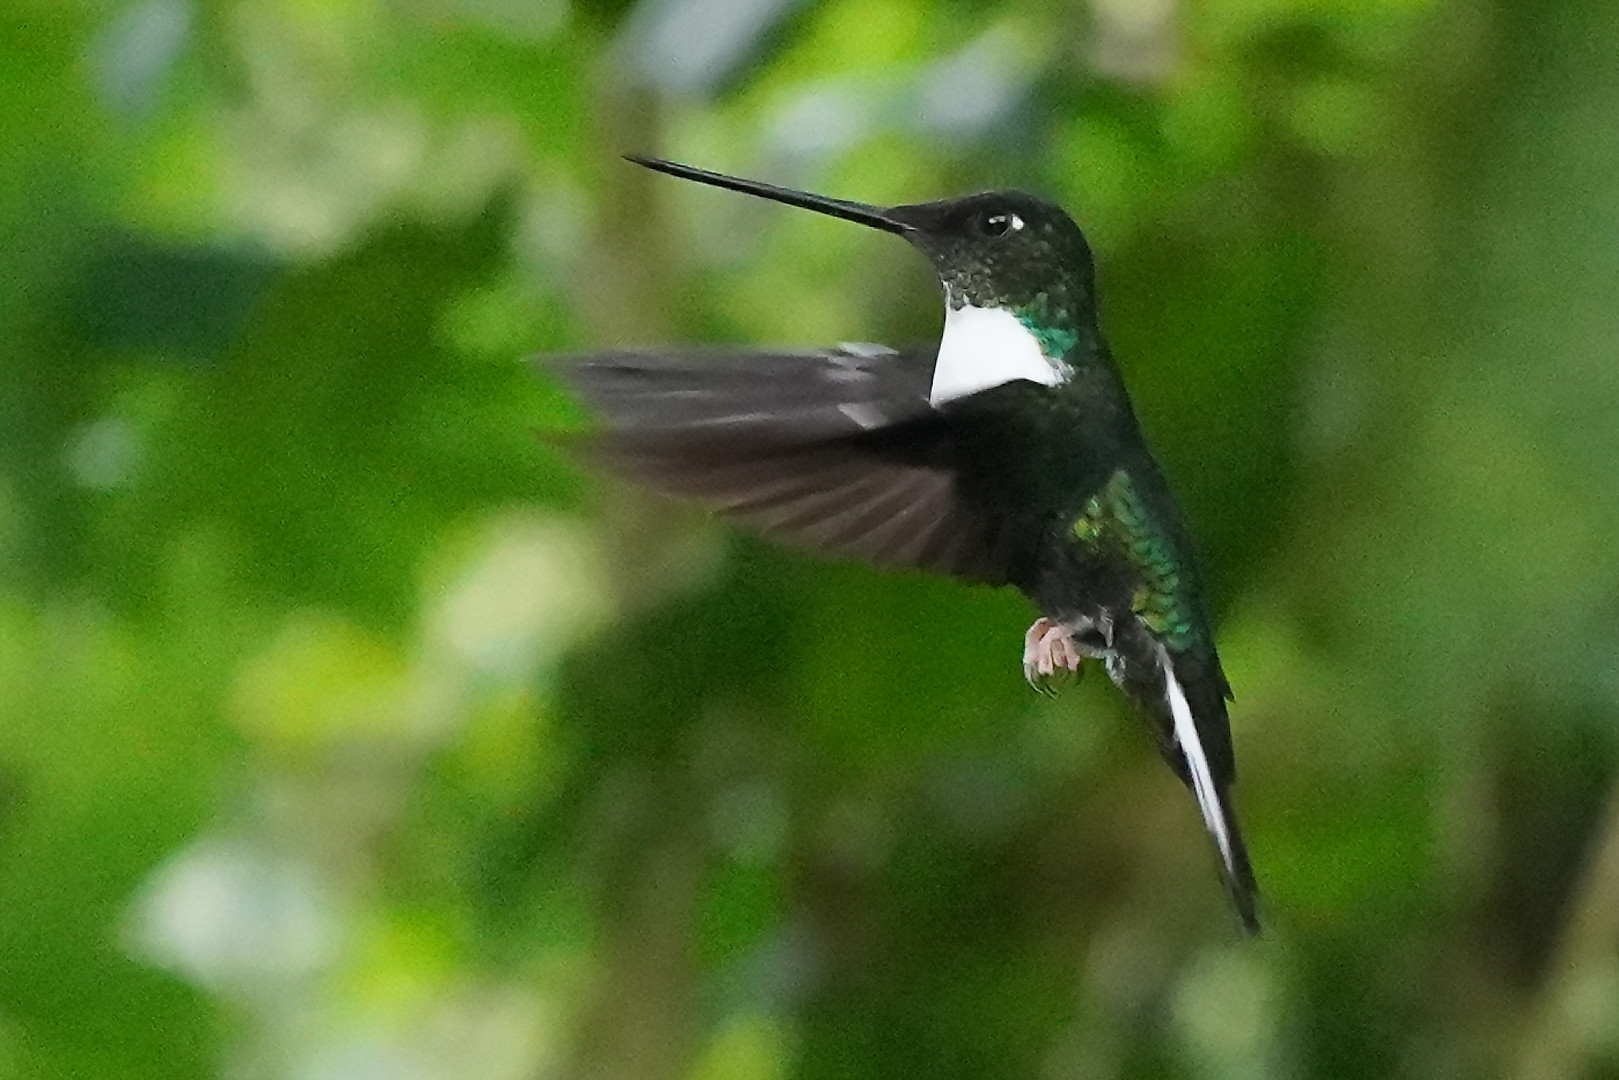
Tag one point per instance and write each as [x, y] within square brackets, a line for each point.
[1018, 277]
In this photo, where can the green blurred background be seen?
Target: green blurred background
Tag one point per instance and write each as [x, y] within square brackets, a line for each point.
[347, 730]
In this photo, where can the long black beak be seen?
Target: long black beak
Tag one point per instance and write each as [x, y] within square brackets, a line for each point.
[874, 216]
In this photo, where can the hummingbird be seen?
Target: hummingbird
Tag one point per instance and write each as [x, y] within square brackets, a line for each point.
[1008, 455]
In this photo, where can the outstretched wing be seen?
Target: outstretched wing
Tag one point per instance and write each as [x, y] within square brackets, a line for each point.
[834, 450]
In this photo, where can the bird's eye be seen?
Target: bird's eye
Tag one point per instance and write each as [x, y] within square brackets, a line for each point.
[999, 223]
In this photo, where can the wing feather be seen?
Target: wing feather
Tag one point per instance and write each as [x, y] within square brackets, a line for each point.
[836, 450]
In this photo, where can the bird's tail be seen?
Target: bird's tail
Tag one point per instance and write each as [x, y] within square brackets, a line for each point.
[1209, 772]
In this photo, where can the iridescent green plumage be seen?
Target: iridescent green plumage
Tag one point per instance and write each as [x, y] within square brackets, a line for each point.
[1055, 336]
[1116, 523]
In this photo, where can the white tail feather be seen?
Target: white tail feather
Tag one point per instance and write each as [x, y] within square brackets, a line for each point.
[1197, 763]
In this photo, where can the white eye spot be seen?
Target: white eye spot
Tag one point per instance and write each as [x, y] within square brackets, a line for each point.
[999, 223]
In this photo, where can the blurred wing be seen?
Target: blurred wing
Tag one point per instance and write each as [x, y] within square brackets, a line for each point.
[751, 397]
[834, 450]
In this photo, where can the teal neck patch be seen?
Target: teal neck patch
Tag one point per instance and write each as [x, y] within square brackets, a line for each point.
[1055, 341]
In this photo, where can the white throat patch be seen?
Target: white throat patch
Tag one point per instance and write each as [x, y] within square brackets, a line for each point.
[985, 347]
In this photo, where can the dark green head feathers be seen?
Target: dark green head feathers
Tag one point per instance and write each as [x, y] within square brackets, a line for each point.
[1007, 249]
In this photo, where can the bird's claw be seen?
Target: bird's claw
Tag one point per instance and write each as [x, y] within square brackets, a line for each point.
[1050, 658]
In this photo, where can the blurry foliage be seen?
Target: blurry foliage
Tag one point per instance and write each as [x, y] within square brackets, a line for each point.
[348, 729]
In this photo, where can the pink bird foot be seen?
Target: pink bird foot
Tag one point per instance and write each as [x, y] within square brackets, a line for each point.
[1050, 658]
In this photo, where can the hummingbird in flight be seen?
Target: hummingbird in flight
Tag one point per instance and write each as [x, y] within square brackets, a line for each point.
[1008, 455]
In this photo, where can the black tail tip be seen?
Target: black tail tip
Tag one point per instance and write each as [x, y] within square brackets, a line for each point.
[1244, 892]
[1251, 925]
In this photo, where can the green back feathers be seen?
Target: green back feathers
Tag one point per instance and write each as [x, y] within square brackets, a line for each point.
[1116, 522]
